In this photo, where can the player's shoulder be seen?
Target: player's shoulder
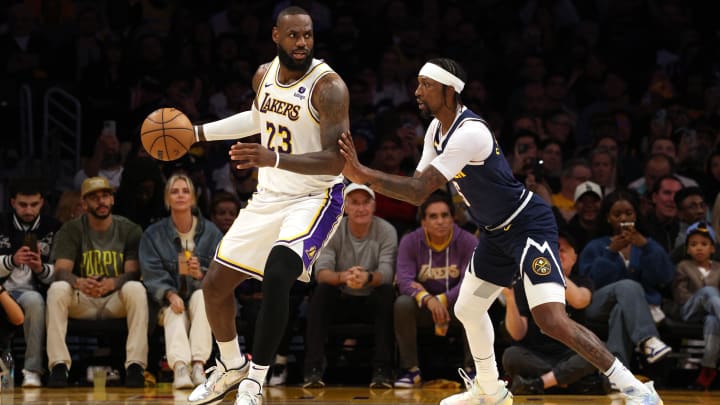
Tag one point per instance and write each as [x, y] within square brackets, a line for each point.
[259, 74]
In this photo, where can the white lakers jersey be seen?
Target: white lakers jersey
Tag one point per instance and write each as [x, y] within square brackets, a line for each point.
[289, 124]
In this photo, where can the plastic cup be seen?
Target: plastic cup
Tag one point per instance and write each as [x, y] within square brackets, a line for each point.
[99, 378]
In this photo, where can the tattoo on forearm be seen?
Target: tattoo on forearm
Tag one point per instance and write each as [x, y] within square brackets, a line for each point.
[411, 189]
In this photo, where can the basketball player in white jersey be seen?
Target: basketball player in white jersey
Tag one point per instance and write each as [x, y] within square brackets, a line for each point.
[518, 239]
[300, 110]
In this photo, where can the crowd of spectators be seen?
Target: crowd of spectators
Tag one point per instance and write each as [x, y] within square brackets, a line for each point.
[594, 102]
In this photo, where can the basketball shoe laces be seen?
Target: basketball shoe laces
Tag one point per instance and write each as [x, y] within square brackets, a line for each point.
[474, 394]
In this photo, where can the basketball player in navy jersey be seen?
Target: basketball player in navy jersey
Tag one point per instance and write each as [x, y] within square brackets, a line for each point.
[300, 111]
[518, 239]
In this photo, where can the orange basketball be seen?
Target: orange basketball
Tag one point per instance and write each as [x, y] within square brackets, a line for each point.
[167, 134]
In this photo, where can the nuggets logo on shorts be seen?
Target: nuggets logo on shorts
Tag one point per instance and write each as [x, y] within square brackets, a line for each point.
[541, 266]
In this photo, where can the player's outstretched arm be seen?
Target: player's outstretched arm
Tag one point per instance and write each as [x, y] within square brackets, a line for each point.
[411, 189]
[238, 126]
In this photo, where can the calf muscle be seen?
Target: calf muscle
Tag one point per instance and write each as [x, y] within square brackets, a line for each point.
[219, 293]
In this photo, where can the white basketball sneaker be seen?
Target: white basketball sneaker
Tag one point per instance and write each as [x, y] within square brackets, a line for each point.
[218, 384]
[250, 396]
[632, 397]
[475, 395]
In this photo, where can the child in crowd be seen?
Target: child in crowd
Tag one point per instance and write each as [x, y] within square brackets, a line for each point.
[695, 288]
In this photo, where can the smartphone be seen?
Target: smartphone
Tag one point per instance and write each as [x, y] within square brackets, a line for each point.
[539, 170]
[627, 225]
[31, 241]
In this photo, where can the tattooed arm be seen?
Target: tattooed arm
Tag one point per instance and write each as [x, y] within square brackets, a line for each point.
[331, 99]
[411, 189]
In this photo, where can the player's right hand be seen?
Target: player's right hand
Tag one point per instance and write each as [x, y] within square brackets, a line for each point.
[248, 155]
[353, 168]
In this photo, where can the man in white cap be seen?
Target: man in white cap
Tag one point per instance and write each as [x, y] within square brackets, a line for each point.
[355, 274]
[583, 226]
[519, 238]
[97, 275]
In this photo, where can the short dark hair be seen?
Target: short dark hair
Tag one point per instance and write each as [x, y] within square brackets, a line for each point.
[565, 233]
[686, 192]
[438, 196]
[292, 10]
[221, 196]
[26, 186]
[658, 182]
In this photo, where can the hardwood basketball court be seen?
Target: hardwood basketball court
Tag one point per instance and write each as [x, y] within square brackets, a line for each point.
[164, 395]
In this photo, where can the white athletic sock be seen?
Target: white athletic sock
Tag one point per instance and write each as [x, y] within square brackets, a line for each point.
[622, 378]
[483, 350]
[474, 300]
[258, 374]
[230, 354]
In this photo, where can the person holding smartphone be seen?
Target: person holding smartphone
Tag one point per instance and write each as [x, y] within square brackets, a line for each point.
[25, 268]
[175, 254]
[628, 268]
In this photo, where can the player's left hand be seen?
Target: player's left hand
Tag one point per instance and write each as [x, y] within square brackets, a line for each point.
[353, 168]
[248, 155]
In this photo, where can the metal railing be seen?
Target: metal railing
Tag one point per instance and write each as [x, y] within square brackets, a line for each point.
[27, 126]
[62, 135]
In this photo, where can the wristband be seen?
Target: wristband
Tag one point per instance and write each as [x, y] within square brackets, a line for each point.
[277, 159]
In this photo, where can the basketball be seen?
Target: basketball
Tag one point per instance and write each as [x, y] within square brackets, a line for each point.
[167, 134]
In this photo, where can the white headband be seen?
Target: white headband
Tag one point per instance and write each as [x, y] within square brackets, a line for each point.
[441, 75]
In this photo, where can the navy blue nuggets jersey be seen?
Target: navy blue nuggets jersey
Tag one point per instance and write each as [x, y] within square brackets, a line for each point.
[518, 230]
[476, 179]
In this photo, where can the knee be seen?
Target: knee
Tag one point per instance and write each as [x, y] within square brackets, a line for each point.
[171, 318]
[464, 311]
[509, 361]
[552, 322]
[712, 324]
[630, 288]
[57, 291]
[283, 266]
[404, 305]
[134, 290]
[33, 303]
[197, 299]
[220, 282]
[710, 292]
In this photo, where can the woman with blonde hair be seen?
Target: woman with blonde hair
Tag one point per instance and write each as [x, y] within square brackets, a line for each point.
[175, 253]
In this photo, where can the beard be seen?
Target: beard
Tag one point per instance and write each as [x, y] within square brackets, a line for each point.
[94, 212]
[291, 64]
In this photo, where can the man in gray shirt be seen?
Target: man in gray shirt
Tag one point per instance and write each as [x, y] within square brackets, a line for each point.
[354, 275]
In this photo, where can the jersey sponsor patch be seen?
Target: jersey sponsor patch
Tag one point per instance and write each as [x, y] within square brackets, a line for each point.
[541, 266]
